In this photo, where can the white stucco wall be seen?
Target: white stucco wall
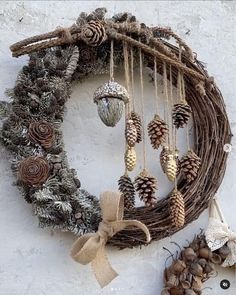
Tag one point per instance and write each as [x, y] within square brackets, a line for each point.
[36, 261]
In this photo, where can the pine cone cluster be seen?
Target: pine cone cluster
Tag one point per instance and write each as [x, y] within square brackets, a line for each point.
[157, 131]
[177, 210]
[127, 189]
[42, 132]
[190, 165]
[93, 33]
[130, 158]
[138, 124]
[146, 185]
[130, 133]
[33, 170]
[171, 167]
[180, 114]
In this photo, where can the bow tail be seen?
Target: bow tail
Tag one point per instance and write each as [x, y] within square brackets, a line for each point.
[102, 269]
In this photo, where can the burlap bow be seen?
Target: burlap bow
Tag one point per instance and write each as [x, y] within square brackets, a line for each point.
[91, 247]
[218, 233]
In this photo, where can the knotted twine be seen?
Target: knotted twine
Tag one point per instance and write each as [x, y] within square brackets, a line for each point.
[91, 247]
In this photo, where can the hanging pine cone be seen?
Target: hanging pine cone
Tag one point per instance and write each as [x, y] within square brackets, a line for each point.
[177, 211]
[180, 114]
[138, 124]
[190, 165]
[171, 167]
[93, 33]
[126, 187]
[163, 157]
[130, 133]
[130, 158]
[146, 185]
[41, 132]
[157, 131]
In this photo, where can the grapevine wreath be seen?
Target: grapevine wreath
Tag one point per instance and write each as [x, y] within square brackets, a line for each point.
[93, 45]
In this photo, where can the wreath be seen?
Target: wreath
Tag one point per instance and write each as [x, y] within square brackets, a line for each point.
[31, 129]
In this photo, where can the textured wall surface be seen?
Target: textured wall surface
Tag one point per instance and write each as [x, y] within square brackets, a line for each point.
[36, 261]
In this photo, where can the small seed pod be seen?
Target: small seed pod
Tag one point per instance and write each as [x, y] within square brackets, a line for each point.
[216, 258]
[165, 292]
[205, 253]
[189, 254]
[224, 251]
[178, 266]
[185, 284]
[202, 262]
[177, 291]
[130, 158]
[189, 292]
[197, 284]
[209, 268]
[196, 269]
[173, 281]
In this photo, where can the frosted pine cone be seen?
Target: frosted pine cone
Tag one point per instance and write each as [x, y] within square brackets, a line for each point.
[157, 131]
[180, 114]
[171, 167]
[130, 133]
[138, 124]
[130, 158]
[126, 187]
[146, 185]
[177, 210]
[93, 33]
[190, 165]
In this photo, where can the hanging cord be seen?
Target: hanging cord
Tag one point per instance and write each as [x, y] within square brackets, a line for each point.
[132, 78]
[155, 83]
[167, 116]
[142, 105]
[127, 76]
[112, 61]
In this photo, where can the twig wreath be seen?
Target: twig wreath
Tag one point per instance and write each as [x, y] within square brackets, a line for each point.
[32, 132]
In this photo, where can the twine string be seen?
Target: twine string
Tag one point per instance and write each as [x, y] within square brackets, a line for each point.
[155, 83]
[167, 117]
[127, 75]
[112, 61]
[132, 78]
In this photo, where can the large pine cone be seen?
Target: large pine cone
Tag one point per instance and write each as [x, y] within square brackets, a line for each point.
[177, 210]
[190, 165]
[146, 185]
[130, 158]
[130, 133]
[42, 132]
[138, 124]
[126, 187]
[33, 170]
[180, 114]
[157, 131]
[93, 33]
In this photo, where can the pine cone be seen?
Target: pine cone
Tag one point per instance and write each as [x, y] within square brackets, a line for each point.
[157, 131]
[130, 133]
[126, 187]
[180, 114]
[130, 158]
[146, 185]
[177, 211]
[42, 132]
[33, 170]
[171, 167]
[163, 157]
[138, 124]
[190, 165]
[93, 33]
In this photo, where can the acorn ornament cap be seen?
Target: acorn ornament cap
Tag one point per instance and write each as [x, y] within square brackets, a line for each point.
[157, 131]
[130, 158]
[110, 99]
[93, 33]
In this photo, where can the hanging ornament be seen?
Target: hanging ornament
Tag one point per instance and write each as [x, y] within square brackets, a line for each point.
[146, 185]
[130, 158]
[171, 167]
[157, 131]
[137, 123]
[190, 165]
[180, 114]
[130, 133]
[93, 33]
[127, 189]
[163, 157]
[177, 210]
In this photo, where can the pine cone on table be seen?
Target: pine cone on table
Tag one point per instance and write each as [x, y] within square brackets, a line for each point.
[190, 165]
[157, 131]
[127, 189]
[146, 185]
[177, 210]
[180, 114]
[130, 133]
[138, 124]
[93, 33]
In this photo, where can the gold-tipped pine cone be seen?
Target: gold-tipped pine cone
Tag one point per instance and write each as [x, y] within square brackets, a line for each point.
[130, 133]
[190, 165]
[42, 132]
[146, 186]
[180, 114]
[171, 167]
[33, 170]
[130, 158]
[157, 131]
[138, 124]
[126, 187]
[177, 209]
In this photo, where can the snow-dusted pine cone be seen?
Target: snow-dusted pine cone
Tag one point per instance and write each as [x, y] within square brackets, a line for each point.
[130, 133]
[138, 124]
[190, 165]
[180, 114]
[146, 185]
[93, 33]
[126, 187]
[171, 167]
[157, 131]
[130, 158]
[177, 210]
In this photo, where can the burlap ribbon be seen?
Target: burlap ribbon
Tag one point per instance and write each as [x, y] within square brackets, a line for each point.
[218, 233]
[91, 247]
